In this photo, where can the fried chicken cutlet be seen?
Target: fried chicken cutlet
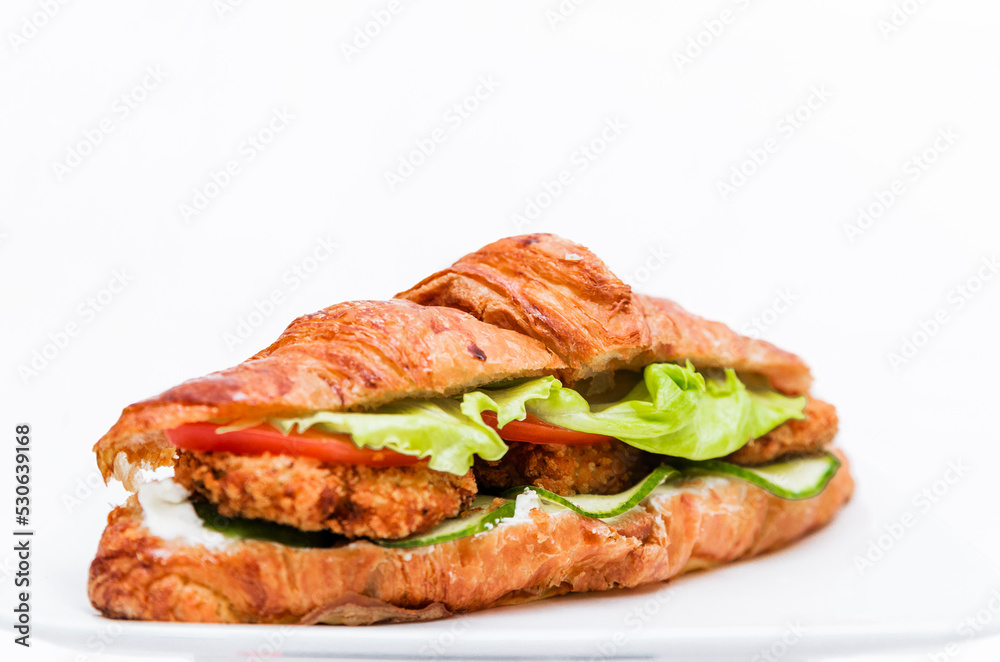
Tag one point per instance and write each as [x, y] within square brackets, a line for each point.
[605, 468]
[352, 500]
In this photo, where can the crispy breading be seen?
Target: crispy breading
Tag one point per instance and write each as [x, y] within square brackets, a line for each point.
[352, 500]
[792, 437]
[694, 525]
[606, 468]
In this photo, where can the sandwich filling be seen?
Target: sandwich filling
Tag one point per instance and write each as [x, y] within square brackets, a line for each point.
[403, 469]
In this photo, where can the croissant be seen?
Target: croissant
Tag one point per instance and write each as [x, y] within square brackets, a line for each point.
[561, 294]
[360, 543]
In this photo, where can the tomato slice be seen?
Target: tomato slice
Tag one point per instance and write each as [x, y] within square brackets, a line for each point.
[326, 447]
[536, 431]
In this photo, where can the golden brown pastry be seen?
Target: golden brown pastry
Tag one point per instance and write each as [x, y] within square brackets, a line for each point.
[559, 292]
[709, 344]
[553, 290]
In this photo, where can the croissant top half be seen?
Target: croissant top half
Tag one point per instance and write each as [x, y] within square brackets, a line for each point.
[559, 292]
[353, 355]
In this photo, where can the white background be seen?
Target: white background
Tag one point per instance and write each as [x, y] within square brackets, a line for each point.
[93, 188]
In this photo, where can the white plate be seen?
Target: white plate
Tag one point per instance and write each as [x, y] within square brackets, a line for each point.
[807, 600]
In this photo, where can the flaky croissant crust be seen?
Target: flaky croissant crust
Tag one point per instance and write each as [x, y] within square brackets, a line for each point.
[352, 355]
[562, 294]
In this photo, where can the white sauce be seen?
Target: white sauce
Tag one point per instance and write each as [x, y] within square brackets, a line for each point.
[700, 489]
[168, 514]
[529, 500]
[525, 503]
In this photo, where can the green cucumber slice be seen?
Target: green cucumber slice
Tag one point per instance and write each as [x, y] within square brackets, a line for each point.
[589, 505]
[457, 527]
[242, 528]
[601, 506]
[800, 478]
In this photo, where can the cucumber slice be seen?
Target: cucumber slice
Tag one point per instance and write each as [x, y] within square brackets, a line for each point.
[800, 478]
[242, 528]
[477, 521]
[589, 505]
[601, 506]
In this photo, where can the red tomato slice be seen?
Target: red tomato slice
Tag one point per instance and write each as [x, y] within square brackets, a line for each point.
[330, 448]
[536, 431]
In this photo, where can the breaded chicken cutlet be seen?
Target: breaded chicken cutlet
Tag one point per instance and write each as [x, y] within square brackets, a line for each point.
[795, 437]
[352, 500]
[605, 468]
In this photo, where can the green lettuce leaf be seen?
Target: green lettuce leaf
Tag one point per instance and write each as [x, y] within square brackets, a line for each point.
[673, 410]
[510, 404]
[241, 528]
[435, 428]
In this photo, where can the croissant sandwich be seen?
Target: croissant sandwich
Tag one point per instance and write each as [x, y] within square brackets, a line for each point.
[518, 426]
